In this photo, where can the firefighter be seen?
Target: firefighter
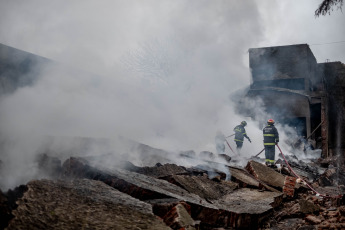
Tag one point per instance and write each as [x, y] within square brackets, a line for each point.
[240, 133]
[271, 139]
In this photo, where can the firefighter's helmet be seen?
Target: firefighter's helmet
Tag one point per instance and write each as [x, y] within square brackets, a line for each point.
[244, 123]
[270, 121]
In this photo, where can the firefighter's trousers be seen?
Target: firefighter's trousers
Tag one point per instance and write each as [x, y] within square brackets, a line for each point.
[270, 153]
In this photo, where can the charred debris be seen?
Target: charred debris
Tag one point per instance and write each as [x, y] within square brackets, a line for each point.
[204, 190]
[98, 192]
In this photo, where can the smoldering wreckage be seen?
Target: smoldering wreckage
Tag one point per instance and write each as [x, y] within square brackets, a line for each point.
[89, 193]
[207, 190]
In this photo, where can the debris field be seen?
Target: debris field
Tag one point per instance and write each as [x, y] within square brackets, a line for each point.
[84, 193]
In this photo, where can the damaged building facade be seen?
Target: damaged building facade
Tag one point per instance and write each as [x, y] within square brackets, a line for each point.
[299, 92]
[75, 190]
[294, 88]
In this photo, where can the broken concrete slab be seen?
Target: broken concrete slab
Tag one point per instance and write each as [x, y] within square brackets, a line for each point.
[148, 188]
[222, 213]
[160, 171]
[245, 208]
[248, 200]
[179, 218]
[243, 178]
[81, 204]
[202, 186]
[235, 174]
[136, 185]
[266, 174]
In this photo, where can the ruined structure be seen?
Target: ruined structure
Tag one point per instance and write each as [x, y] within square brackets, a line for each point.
[301, 93]
[295, 89]
[18, 68]
[111, 190]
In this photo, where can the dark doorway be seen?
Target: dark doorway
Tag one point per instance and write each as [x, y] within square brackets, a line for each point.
[298, 123]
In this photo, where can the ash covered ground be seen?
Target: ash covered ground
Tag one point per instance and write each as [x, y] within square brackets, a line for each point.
[157, 189]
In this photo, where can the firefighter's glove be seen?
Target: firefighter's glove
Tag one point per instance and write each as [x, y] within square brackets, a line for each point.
[249, 140]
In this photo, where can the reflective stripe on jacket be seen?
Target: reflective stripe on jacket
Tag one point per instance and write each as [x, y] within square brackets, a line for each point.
[271, 135]
[240, 133]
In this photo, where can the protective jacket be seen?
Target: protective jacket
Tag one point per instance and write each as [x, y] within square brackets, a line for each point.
[271, 136]
[240, 133]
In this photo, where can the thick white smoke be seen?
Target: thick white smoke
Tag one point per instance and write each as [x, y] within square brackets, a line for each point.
[158, 72]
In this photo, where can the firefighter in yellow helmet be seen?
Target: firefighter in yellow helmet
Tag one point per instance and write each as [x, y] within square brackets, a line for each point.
[271, 138]
[240, 134]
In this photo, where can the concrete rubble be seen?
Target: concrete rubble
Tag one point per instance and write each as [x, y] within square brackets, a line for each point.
[80, 204]
[85, 193]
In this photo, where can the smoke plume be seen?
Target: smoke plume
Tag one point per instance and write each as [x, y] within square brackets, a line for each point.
[162, 73]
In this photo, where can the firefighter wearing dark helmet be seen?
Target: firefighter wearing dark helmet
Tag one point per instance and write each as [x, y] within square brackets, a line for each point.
[240, 134]
[271, 138]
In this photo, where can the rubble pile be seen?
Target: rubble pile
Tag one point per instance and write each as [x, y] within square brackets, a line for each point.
[80, 204]
[84, 193]
[320, 206]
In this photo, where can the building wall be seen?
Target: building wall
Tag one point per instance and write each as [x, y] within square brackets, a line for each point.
[294, 65]
[18, 68]
[294, 69]
[334, 78]
[293, 85]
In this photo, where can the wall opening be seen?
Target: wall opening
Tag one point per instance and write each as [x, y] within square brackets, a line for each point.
[294, 84]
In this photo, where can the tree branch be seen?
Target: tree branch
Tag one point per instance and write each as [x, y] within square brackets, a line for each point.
[327, 5]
